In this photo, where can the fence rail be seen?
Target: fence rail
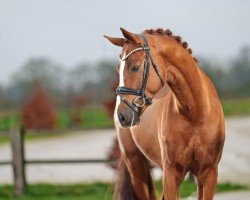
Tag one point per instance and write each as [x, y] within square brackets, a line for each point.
[5, 162]
[63, 161]
[68, 161]
[19, 162]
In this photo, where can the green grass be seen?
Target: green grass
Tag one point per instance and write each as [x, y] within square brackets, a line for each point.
[61, 192]
[96, 117]
[94, 191]
[188, 188]
[91, 117]
[225, 187]
[236, 107]
[7, 121]
[4, 138]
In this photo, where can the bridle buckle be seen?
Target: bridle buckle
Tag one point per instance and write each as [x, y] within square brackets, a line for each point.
[139, 102]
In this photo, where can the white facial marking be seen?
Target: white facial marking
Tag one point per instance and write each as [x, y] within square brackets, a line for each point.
[121, 71]
[118, 100]
[121, 83]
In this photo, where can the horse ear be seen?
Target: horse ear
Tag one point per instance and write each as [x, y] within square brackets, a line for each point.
[130, 36]
[116, 41]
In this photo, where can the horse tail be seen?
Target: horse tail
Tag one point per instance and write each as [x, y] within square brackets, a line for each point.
[123, 185]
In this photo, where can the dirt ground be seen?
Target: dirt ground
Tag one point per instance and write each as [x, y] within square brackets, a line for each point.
[235, 162]
[234, 166]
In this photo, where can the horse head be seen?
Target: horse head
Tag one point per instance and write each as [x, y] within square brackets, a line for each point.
[141, 75]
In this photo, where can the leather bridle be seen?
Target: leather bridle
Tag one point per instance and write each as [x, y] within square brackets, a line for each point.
[142, 99]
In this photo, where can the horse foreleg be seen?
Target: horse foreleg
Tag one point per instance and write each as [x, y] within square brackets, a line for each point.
[171, 183]
[208, 180]
[139, 171]
[137, 166]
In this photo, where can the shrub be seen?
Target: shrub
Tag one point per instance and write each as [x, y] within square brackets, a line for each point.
[38, 112]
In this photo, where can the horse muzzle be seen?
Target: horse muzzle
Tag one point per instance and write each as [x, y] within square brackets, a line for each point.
[128, 118]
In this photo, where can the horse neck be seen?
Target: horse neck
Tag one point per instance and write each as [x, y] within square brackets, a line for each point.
[185, 79]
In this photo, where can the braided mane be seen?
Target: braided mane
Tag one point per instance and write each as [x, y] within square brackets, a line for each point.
[169, 33]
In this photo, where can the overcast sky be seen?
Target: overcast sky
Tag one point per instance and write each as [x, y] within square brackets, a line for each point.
[70, 31]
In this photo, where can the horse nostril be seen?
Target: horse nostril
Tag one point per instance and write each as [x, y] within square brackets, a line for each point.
[122, 119]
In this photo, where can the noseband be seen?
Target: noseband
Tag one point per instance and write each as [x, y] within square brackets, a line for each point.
[141, 98]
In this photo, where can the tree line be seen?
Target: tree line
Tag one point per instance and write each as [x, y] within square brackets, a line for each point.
[86, 80]
[95, 81]
[231, 78]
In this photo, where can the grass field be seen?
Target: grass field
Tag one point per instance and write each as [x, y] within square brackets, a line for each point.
[236, 107]
[91, 117]
[94, 191]
[96, 117]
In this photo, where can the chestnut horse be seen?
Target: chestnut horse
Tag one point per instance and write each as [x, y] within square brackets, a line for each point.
[180, 131]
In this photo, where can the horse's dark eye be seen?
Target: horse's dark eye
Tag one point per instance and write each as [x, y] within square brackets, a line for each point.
[135, 69]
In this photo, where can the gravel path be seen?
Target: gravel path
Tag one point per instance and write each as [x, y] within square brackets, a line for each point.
[84, 144]
[234, 166]
[235, 162]
[240, 195]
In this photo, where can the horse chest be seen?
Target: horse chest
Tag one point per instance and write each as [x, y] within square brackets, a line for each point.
[148, 143]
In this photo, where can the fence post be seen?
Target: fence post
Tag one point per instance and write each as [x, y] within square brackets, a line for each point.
[18, 160]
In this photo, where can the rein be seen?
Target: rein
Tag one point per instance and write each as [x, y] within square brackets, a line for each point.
[141, 98]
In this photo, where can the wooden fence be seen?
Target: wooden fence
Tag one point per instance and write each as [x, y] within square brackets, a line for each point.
[19, 162]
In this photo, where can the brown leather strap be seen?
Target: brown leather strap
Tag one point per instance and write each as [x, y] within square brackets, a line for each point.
[163, 92]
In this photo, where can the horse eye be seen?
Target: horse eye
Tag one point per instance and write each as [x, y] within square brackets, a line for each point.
[135, 69]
